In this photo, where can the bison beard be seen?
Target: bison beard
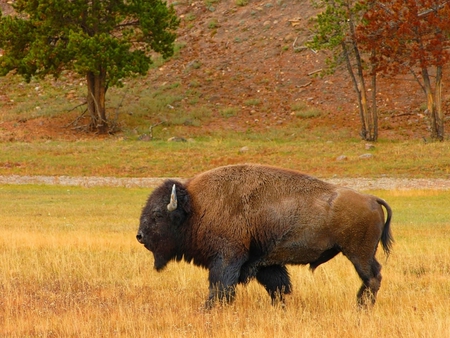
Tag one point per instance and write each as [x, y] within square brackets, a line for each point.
[249, 221]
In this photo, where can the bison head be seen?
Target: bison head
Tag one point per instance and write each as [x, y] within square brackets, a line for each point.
[161, 223]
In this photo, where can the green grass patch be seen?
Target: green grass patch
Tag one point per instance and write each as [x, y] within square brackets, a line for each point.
[213, 24]
[229, 112]
[159, 158]
[302, 110]
[419, 208]
[252, 102]
[241, 3]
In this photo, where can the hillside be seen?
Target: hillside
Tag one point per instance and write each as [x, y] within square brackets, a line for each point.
[247, 65]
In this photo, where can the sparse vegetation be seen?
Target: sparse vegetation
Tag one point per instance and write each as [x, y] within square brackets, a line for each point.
[252, 102]
[31, 100]
[229, 112]
[241, 2]
[190, 17]
[312, 112]
[213, 24]
[208, 3]
[302, 110]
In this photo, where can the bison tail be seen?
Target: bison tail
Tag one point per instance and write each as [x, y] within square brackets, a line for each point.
[387, 240]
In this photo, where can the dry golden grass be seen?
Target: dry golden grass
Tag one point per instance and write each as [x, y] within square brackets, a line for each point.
[70, 267]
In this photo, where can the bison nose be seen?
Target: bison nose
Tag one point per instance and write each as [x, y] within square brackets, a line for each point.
[140, 237]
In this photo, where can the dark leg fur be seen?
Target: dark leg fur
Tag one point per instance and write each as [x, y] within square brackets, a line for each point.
[276, 281]
[371, 278]
[221, 293]
[222, 281]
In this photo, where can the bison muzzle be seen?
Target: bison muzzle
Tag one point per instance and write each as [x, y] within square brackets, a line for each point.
[249, 221]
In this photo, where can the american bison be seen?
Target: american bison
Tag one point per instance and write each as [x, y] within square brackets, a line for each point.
[249, 221]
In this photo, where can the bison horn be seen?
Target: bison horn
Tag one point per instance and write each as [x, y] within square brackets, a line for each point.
[173, 200]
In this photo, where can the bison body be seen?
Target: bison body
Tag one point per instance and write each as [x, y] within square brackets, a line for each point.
[249, 221]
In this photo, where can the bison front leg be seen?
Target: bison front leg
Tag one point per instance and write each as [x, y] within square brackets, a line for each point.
[276, 281]
[223, 278]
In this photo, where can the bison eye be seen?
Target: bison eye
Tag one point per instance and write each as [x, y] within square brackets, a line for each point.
[156, 215]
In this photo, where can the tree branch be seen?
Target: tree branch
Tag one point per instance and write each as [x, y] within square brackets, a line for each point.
[127, 24]
[428, 11]
[74, 122]
[424, 13]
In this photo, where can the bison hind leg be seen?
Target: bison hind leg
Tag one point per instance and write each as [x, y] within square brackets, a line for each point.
[276, 281]
[371, 284]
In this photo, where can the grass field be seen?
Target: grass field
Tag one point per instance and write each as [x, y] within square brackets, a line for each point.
[318, 157]
[305, 144]
[70, 267]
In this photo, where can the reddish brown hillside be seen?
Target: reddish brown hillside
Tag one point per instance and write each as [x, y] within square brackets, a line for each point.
[251, 58]
[254, 53]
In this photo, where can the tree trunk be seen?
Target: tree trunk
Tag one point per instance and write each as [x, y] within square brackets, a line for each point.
[438, 104]
[363, 131]
[96, 101]
[434, 104]
[363, 93]
[374, 115]
[369, 114]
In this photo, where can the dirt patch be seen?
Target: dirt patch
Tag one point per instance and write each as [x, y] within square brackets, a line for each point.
[354, 183]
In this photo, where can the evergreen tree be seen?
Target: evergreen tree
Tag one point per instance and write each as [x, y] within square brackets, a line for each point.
[103, 40]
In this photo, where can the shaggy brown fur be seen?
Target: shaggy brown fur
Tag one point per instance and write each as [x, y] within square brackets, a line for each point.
[250, 221]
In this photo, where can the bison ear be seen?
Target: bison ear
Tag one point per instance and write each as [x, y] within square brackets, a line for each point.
[186, 204]
[173, 199]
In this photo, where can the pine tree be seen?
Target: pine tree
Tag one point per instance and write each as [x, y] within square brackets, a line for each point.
[104, 41]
